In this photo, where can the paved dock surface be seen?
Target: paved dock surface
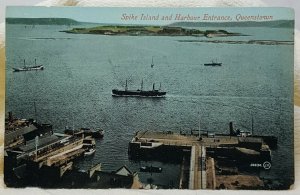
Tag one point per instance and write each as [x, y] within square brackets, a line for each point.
[201, 172]
[184, 140]
[198, 170]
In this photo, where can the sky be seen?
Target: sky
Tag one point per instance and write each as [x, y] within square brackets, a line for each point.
[106, 15]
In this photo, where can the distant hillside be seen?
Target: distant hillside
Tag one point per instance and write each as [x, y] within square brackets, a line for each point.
[42, 21]
[269, 24]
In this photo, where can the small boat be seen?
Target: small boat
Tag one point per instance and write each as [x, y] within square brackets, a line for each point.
[89, 142]
[213, 63]
[140, 92]
[98, 133]
[89, 145]
[29, 68]
[151, 169]
[152, 63]
[89, 152]
[72, 132]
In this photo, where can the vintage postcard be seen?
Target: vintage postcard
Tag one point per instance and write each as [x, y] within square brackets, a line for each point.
[149, 98]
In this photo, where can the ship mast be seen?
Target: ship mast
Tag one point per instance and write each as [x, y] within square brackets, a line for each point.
[252, 128]
[73, 125]
[126, 87]
[142, 85]
[199, 133]
[36, 140]
[199, 128]
[153, 86]
[152, 63]
[35, 116]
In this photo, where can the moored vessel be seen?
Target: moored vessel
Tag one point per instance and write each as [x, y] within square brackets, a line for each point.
[151, 169]
[95, 133]
[213, 63]
[29, 68]
[140, 92]
[89, 152]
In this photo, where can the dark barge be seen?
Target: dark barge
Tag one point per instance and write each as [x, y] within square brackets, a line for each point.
[95, 133]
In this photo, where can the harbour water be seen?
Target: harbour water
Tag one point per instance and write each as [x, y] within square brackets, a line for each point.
[81, 70]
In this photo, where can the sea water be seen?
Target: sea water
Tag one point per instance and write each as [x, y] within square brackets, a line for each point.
[80, 71]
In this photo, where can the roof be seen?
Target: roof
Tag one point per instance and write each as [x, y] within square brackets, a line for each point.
[43, 141]
[99, 180]
[11, 135]
[250, 139]
[123, 171]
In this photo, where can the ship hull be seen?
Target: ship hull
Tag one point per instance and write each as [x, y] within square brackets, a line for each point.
[213, 64]
[138, 93]
[93, 133]
[28, 68]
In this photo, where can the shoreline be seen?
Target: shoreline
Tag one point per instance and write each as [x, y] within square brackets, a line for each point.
[151, 31]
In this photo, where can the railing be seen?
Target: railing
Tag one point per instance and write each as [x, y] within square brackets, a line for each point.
[47, 149]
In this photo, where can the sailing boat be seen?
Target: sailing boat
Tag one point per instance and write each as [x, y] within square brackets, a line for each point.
[152, 64]
[140, 92]
[29, 68]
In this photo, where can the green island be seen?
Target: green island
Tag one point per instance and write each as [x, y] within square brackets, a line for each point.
[150, 31]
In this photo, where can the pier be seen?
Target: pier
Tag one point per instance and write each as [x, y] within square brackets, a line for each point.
[36, 156]
[205, 153]
[198, 176]
[197, 172]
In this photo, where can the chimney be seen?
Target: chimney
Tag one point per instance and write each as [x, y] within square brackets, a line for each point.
[10, 117]
[231, 131]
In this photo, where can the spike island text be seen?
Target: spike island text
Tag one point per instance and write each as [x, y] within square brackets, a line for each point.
[193, 18]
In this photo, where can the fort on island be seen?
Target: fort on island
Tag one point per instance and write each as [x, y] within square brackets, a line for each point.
[140, 30]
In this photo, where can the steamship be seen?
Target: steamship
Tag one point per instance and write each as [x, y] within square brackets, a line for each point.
[140, 92]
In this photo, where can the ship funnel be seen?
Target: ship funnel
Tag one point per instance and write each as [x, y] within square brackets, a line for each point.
[231, 131]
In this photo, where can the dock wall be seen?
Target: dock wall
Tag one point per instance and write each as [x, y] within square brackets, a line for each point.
[173, 153]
